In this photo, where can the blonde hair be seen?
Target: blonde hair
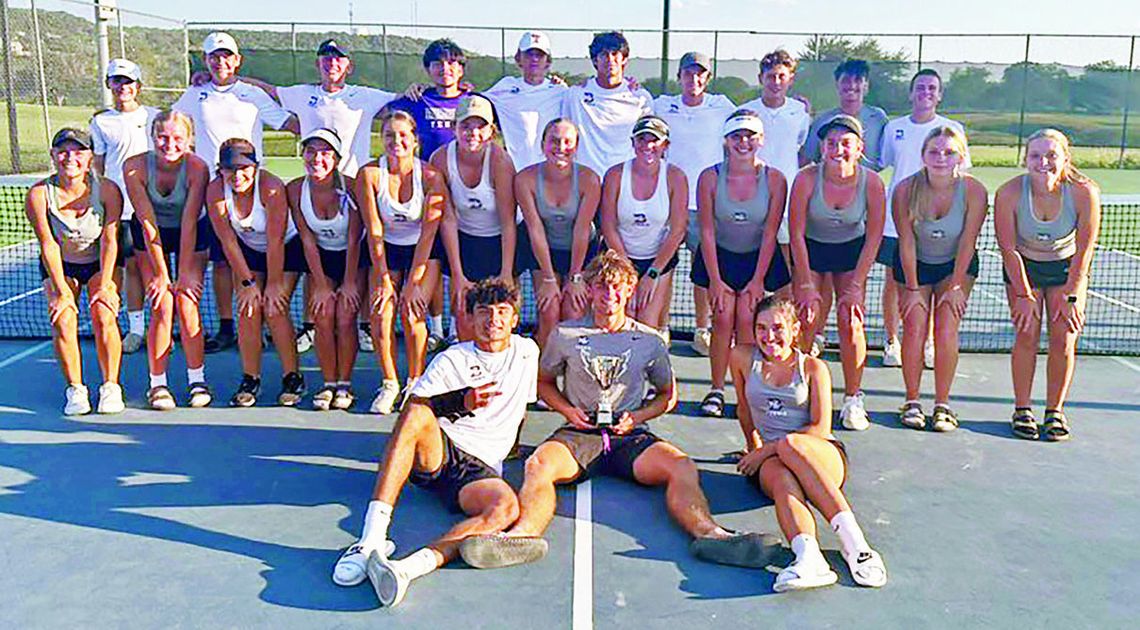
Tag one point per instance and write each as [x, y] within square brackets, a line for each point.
[178, 118]
[920, 195]
[612, 268]
[1070, 174]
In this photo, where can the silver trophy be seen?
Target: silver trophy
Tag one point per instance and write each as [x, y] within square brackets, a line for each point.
[606, 370]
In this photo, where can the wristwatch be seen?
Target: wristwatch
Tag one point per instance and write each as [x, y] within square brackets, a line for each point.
[653, 273]
[577, 278]
[1072, 299]
[248, 282]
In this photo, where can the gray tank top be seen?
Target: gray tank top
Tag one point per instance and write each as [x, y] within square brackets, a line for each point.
[557, 221]
[936, 240]
[1045, 241]
[167, 208]
[740, 224]
[777, 411]
[837, 225]
[78, 236]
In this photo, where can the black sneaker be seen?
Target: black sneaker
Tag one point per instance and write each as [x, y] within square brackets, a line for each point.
[223, 340]
[292, 389]
[246, 394]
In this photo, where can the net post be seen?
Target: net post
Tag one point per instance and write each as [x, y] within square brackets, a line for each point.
[715, 50]
[665, 49]
[186, 51]
[10, 89]
[502, 52]
[1127, 102]
[384, 47]
[920, 51]
[40, 70]
[1024, 92]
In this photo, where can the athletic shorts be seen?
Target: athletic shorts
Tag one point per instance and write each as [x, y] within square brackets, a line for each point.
[834, 257]
[80, 272]
[839, 446]
[172, 237]
[479, 256]
[294, 257]
[560, 258]
[928, 274]
[333, 263]
[458, 469]
[643, 264]
[399, 257]
[589, 449]
[1052, 273]
[736, 270]
[888, 251]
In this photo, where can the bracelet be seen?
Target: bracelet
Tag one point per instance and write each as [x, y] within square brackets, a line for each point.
[550, 279]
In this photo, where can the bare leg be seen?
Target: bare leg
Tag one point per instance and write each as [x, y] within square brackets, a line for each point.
[890, 305]
[792, 511]
[189, 317]
[665, 464]
[1023, 357]
[324, 335]
[223, 289]
[701, 305]
[416, 443]
[547, 317]
[724, 325]
[108, 342]
[1062, 359]
[946, 327]
[551, 463]
[491, 506]
[249, 335]
[818, 468]
[384, 330]
[65, 336]
[159, 343]
[284, 335]
[913, 338]
[415, 326]
[852, 338]
[345, 323]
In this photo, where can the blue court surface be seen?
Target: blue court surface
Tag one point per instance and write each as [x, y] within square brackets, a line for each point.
[234, 518]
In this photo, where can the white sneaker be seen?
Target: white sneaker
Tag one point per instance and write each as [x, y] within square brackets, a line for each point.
[800, 576]
[343, 398]
[77, 401]
[388, 580]
[110, 398]
[350, 569]
[854, 414]
[305, 340]
[363, 339]
[385, 399]
[892, 353]
[928, 354]
[702, 340]
[132, 342]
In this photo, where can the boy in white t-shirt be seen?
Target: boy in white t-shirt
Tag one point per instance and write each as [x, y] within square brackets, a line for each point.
[605, 109]
[695, 118]
[524, 105]
[117, 134]
[786, 123]
[460, 423]
[902, 151]
[225, 108]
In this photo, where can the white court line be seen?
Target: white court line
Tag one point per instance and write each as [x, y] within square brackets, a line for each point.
[27, 352]
[1114, 301]
[17, 298]
[1121, 252]
[583, 606]
[1126, 363]
[20, 244]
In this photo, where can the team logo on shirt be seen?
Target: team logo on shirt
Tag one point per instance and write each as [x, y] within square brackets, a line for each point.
[328, 232]
[776, 407]
[203, 96]
[475, 370]
[583, 341]
[740, 217]
[313, 100]
[899, 133]
[474, 203]
[937, 234]
[588, 98]
[640, 219]
[673, 107]
[400, 217]
[516, 89]
[1044, 237]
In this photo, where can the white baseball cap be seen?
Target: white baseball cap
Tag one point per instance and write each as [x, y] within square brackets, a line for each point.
[534, 40]
[219, 40]
[124, 68]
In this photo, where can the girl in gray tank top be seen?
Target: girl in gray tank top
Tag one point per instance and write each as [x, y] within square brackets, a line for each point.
[740, 224]
[837, 225]
[78, 235]
[557, 221]
[777, 410]
[1045, 241]
[936, 240]
[167, 208]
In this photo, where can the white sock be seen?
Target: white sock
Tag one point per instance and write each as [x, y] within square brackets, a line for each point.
[158, 380]
[435, 325]
[806, 548]
[850, 536]
[390, 383]
[418, 564]
[376, 522]
[136, 322]
[196, 375]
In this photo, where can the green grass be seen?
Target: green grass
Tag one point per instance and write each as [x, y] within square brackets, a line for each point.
[33, 138]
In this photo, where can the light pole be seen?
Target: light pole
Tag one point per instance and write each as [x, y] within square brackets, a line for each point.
[665, 48]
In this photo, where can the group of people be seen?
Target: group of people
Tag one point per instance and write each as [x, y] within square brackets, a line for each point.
[592, 189]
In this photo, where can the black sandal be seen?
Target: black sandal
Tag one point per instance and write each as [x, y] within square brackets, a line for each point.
[1056, 426]
[713, 404]
[1024, 424]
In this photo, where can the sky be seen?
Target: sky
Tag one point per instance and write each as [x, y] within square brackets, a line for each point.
[877, 16]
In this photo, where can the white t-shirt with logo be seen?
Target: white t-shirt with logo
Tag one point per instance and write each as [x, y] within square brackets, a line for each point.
[524, 110]
[237, 110]
[117, 136]
[605, 118]
[785, 131]
[902, 150]
[695, 142]
[490, 432]
[348, 111]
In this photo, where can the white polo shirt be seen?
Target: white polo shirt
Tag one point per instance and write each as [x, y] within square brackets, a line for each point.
[605, 118]
[695, 142]
[902, 150]
[785, 131]
[490, 432]
[348, 111]
[523, 111]
[237, 110]
[117, 136]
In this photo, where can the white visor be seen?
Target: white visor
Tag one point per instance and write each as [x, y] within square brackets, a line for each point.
[736, 123]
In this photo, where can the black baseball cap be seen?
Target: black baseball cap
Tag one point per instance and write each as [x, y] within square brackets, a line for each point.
[332, 48]
[236, 154]
[71, 134]
[651, 125]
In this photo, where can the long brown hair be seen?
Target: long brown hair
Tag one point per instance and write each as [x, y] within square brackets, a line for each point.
[920, 196]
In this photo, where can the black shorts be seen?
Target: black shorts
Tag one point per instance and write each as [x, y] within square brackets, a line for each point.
[294, 257]
[839, 446]
[888, 251]
[458, 469]
[834, 257]
[932, 274]
[80, 272]
[589, 450]
[399, 257]
[479, 256]
[736, 270]
[172, 237]
[334, 263]
[643, 264]
[1053, 273]
[560, 258]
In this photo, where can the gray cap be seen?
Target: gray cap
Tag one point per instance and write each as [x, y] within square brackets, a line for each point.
[71, 134]
[843, 121]
[651, 125]
[694, 58]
